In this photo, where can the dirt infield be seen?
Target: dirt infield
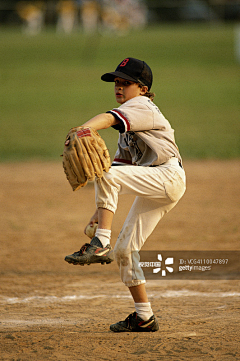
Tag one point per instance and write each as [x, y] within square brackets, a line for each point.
[51, 310]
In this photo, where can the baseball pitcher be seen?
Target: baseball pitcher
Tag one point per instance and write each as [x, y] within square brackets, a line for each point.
[147, 164]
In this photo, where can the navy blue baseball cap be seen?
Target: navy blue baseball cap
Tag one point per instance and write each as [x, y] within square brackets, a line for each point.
[131, 69]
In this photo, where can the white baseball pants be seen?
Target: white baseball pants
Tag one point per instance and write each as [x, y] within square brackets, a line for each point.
[157, 190]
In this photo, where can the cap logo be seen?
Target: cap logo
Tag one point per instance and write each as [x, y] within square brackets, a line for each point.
[124, 62]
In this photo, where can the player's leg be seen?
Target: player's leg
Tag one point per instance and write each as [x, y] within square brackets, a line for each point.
[107, 191]
[99, 249]
[139, 224]
[163, 192]
[139, 293]
[148, 182]
[105, 218]
[142, 219]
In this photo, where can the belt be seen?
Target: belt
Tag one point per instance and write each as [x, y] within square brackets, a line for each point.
[172, 160]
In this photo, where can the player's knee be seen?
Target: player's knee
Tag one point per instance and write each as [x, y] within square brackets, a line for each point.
[127, 257]
[122, 256]
[130, 271]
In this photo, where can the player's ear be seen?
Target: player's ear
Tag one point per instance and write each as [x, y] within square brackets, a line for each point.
[144, 89]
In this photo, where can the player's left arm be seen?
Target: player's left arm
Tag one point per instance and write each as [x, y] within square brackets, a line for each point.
[101, 121]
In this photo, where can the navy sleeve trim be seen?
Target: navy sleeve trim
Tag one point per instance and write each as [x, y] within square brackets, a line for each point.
[124, 125]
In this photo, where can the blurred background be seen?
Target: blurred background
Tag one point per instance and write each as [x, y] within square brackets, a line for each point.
[53, 54]
[92, 15]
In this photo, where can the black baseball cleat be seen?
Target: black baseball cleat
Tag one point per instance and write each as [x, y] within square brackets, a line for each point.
[134, 323]
[92, 252]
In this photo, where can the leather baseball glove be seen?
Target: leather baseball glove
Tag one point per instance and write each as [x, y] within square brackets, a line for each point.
[85, 156]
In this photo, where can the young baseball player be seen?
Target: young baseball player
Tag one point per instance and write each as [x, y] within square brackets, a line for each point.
[147, 164]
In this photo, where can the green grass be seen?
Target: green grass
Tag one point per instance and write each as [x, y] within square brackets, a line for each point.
[50, 83]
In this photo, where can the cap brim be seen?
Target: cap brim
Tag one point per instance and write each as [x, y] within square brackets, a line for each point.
[117, 74]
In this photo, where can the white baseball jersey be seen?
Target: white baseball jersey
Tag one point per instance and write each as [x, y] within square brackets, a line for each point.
[145, 135]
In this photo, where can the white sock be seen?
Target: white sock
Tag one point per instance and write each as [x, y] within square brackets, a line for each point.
[144, 310]
[104, 235]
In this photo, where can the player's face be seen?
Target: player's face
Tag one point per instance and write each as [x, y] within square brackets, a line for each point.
[126, 90]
